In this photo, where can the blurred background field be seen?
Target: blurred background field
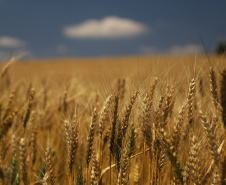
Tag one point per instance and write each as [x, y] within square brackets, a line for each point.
[97, 69]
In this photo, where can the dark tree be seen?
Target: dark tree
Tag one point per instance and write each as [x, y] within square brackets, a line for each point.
[221, 48]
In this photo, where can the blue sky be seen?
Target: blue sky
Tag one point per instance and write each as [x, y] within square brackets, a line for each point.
[45, 29]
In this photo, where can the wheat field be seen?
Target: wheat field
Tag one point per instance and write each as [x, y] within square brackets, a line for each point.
[126, 120]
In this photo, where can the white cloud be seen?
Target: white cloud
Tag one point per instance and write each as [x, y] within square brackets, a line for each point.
[10, 42]
[109, 27]
[186, 49]
[174, 50]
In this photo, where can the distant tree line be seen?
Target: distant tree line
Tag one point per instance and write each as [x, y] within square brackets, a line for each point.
[221, 48]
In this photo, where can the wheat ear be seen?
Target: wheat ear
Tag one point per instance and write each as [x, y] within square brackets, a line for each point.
[171, 154]
[176, 135]
[112, 134]
[49, 166]
[23, 162]
[123, 168]
[145, 123]
[213, 87]
[223, 95]
[95, 171]
[192, 167]
[7, 123]
[103, 114]
[29, 106]
[90, 137]
[191, 97]
[127, 113]
[210, 129]
[73, 144]
[9, 104]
